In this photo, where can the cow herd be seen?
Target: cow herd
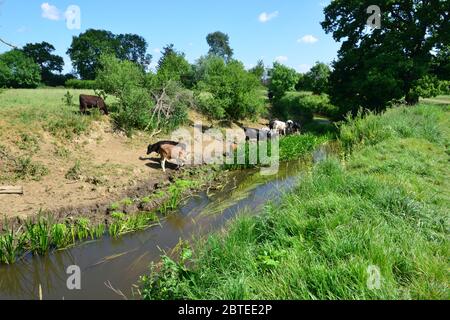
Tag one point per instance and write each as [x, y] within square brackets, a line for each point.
[169, 150]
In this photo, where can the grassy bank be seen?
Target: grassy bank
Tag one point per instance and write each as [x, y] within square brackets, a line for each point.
[385, 209]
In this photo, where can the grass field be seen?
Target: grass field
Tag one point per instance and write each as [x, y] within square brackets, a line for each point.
[31, 110]
[372, 227]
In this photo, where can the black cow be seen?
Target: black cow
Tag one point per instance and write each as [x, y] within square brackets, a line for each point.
[92, 102]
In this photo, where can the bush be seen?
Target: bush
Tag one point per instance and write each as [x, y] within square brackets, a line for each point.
[302, 107]
[81, 84]
[18, 71]
[143, 102]
[282, 80]
[226, 91]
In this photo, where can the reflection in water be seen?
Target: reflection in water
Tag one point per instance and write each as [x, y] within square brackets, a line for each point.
[122, 261]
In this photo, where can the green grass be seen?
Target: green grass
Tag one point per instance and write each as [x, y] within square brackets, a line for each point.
[33, 109]
[385, 207]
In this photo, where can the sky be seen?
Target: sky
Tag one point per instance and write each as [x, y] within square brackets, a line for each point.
[287, 31]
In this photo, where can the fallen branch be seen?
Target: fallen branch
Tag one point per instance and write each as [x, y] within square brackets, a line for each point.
[11, 190]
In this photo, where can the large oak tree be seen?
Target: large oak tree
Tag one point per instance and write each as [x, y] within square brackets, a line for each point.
[377, 66]
[87, 48]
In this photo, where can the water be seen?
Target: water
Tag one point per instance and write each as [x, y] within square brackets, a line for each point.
[120, 262]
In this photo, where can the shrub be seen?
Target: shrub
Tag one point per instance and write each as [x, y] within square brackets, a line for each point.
[226, 91]
[67, 99]
[282, 80]
[81, 84]
[18, 71]
[143, 102]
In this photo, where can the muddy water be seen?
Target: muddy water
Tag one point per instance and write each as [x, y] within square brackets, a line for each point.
[118, 263]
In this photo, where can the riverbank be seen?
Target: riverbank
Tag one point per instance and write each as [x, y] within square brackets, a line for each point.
[142, 208]
[373, 226]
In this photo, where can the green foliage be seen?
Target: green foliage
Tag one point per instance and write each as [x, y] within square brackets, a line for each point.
[143, 102]
[219, 45]
[126, 81]
[68, 99]
[87, 48]
[81, 84]
[28, 143]
[317, 79]
[49, 63]
[370, 129]
[173, 66]
[427, 87]
[12, 244]
[227, 91]
[18, 71]
[26, 168]
[301, 107]
[294, 146]
[258, 70]
[164, 283]
[282, 80]
[383, 65]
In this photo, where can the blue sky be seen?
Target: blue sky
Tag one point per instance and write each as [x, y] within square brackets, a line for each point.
[284, 30]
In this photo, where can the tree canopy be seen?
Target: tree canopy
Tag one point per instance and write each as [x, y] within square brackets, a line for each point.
[227, 91]
[173, 65]
[380, 65]
[317, 78]
[282, 79]
[219, 45]
[18, 71]
[86, 49]
[49, 63]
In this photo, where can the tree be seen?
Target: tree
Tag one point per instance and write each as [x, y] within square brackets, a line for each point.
[219, 45]
[282, 80]
[226, 91]
[375, 67]
[18, 71]
[142, 103]
[317, 78]
[49, 63]
[173, 66]
[258, 70]
[441, 63]
[87, 48]
[133, 47]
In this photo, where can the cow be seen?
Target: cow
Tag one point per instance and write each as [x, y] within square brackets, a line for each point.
[278, 126]
[92, 102]
[293, 127]
[169, 150]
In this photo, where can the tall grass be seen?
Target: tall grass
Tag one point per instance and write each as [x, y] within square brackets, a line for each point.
[386, 209]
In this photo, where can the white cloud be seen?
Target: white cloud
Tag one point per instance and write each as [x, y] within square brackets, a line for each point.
[264, 17]
[281, 59]
[157, 50]
[308, 39]
[50, 12]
